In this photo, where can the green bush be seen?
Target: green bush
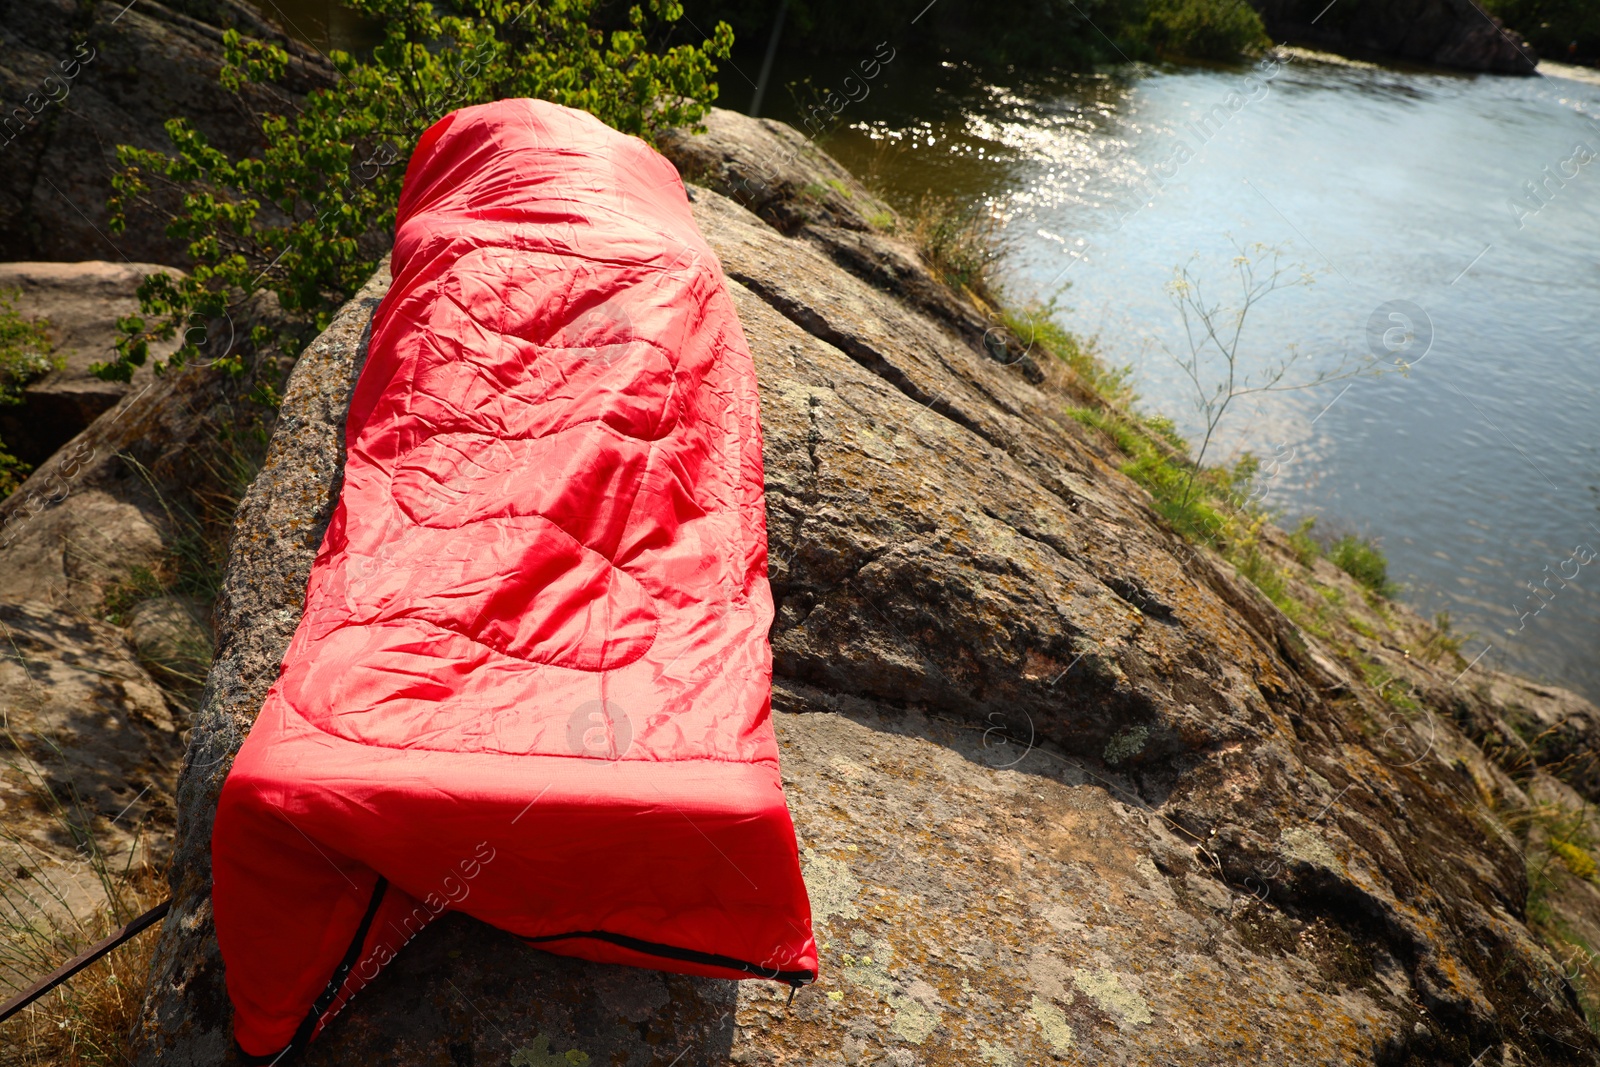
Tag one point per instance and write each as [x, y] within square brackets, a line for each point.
[312, 214]
[1209, 507]
[1443, 641]
[24, 348]
[1203, 29]
[1305, 547]
[1363, 561]
[1201, 517]
[1167, 430]
[24, 356]
[959, 242]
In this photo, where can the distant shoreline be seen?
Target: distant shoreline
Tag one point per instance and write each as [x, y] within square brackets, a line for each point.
[1551, 69]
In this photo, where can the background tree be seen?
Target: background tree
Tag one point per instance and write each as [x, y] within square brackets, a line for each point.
[1555, 26]
[1035, 33]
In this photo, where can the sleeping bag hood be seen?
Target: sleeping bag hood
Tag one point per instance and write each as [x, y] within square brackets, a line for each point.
[532, 678]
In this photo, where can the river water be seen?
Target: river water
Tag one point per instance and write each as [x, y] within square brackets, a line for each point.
[1402, 192]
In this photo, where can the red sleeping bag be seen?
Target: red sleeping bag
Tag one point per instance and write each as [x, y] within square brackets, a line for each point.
[532, 679]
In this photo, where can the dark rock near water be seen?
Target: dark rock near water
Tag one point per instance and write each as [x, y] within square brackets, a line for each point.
[1446, 33]
[1066, 786]
[78, 78]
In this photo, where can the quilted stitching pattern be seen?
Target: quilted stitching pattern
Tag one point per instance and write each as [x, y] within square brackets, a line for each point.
[551, 477]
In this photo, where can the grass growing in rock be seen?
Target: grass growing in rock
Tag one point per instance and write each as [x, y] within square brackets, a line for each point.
[1362, 560]
[1394, 689]
[1215, 507]
[87, 1022]
[1210, 506]
[1444, 642]
[1035, 326]
[1557, 837]
[25, 354]
[960, 244]
[166, 606]
[1561, 847]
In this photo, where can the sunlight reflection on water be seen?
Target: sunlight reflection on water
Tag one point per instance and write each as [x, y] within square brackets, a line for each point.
[1479, 468]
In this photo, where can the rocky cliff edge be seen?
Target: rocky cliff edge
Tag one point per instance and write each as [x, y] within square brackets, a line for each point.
[1067, 787]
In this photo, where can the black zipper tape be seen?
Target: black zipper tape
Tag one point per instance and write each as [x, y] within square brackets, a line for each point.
[686, 955]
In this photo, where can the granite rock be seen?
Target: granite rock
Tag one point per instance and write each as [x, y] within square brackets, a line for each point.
[1066, 786]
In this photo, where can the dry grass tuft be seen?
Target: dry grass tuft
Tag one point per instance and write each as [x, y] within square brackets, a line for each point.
[62, 890]
[87, 1021]
[962, 245]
